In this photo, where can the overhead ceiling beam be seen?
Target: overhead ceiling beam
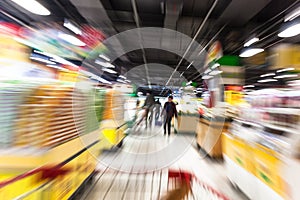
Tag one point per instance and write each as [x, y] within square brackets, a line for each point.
[137, 21]
[173, 9]
[194, 39]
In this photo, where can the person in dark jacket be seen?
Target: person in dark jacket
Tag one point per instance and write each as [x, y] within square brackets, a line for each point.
[170, 111]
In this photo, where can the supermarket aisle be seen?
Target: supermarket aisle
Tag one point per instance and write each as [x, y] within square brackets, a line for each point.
[126, 174]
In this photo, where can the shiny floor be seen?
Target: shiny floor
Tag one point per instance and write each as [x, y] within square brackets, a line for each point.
[139, 170]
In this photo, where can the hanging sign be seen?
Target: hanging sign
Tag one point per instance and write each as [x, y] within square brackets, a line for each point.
[214, 53]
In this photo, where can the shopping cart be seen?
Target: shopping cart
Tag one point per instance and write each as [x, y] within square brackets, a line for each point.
[113, 132]
[185, 186]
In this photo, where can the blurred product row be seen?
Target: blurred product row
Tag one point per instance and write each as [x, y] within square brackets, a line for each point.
[260, 143]
[50, 129]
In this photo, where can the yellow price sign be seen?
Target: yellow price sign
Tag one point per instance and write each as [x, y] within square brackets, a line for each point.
[68, 76]
[10, 49]
[233, 97]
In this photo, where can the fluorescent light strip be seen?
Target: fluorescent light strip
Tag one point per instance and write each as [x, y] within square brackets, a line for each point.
[269, 74]
[103, 80]
[206, 77]
[121, 81]
[290, 31]
[100, 79]
[251, 52]
[248, 86]
[292, 15]
[72, 27]
[190, 82]
[189, 65]
[253, 40]
[104, 64]
[215, 66]
[42, 60]
[267, 80]
[286, 69]
[104, 57]
[109, 70]
[71, 39]
[56, 58]
[207, 71]
[286, 76]
[33, 7]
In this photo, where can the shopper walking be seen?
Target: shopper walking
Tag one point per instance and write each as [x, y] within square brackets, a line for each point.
[170, 111]
[149, 102]
[157, 108]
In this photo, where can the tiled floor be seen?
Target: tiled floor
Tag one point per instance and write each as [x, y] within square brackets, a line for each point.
[139, 170]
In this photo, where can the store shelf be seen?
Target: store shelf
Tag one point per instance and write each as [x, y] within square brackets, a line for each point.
[250, 123]
[280, 128]
[24, 158]
[287, 111]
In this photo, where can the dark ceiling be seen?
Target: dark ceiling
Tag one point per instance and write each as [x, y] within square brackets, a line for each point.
[239, 18]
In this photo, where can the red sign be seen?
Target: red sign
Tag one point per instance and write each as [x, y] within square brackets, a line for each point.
[234, 88]
[91, 36]
[215, 52]
[9, 28]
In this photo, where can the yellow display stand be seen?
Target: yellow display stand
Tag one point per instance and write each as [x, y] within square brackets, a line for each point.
[113, 125]
[238, 151]
[255, 169]
[268, 167]
[113, 132]
[77, 157]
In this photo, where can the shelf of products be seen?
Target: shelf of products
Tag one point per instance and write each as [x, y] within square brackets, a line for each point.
[263, 146]
[47, 124]
[48, 121]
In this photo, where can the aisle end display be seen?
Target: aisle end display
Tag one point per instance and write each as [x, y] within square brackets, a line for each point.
[261, 149]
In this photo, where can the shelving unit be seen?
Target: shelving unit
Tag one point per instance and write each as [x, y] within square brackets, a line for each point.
[262, 154]
[54, 131]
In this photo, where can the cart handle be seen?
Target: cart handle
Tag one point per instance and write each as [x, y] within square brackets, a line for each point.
[121, 125]
[47, 172]
[187, 176]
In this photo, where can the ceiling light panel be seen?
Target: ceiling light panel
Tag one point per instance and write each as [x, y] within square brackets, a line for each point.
[33, 7]
[290, 31]
[252, 41]
[251, 52]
